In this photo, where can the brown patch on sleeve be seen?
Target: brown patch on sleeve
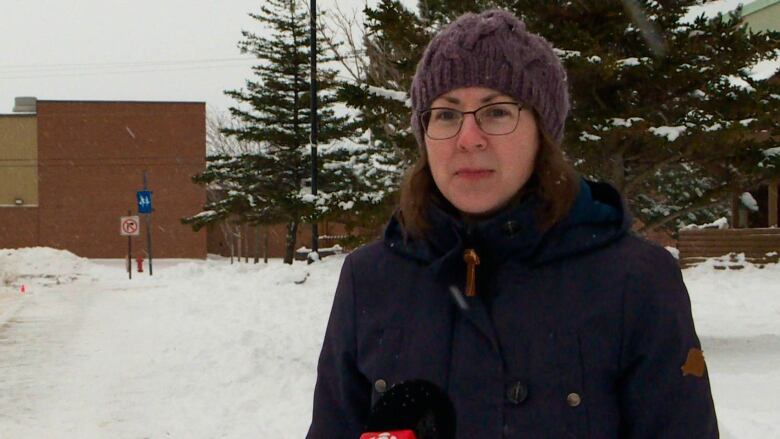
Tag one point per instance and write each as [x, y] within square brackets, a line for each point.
[694, 364]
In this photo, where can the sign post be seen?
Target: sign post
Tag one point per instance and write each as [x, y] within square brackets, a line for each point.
[129, 226]
[144, 198]
[314, 118]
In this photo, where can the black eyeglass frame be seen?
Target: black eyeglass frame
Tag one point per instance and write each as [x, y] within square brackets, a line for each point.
[424, 125]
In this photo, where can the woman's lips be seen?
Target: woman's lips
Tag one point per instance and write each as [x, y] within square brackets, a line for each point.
[473, 174]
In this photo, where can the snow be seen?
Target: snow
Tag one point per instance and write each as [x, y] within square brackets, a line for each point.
[620, 122]
[566, 54]
[36, 262]
[207, 349]
[738, 82]
[633, 61]
[205, 214]
[671, 133]
[586, 136]
[391, 94]
[772, 152]
[749, 202]
[720, 223]
[346, 145]
[766, 68]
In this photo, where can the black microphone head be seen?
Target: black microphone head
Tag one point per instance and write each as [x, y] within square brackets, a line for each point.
[416, 405]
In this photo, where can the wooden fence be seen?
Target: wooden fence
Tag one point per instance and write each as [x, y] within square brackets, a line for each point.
[760, 246]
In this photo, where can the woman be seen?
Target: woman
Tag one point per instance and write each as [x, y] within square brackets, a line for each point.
[506, 279]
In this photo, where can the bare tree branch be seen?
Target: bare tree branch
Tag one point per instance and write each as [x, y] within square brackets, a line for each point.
[219, 143]
[353, 59]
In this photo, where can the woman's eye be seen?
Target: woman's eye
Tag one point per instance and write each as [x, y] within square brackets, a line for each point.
[445, 115]
[497, 113]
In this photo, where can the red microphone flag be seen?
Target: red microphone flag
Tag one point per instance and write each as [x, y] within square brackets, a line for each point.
[396, 434]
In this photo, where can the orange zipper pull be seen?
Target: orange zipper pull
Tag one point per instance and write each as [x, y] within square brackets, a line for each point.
[472, 260]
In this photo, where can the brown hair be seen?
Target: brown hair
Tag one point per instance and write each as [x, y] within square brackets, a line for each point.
[554, 180]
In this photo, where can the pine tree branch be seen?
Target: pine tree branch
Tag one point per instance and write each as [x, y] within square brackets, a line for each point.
[637, 179]
[709, 198]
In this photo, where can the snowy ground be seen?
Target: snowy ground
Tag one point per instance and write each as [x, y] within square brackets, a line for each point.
[205, 349]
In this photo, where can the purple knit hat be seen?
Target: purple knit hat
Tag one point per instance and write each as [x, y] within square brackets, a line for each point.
[494, 50]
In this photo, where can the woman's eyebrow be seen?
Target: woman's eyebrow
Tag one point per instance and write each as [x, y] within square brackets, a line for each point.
[488, 98]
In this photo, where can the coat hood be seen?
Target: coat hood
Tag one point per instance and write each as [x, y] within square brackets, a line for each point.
[597, 217]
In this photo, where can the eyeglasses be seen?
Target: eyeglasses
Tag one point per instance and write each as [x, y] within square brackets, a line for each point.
[496, 119]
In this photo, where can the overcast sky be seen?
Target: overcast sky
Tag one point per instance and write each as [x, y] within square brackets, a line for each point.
[181, 50]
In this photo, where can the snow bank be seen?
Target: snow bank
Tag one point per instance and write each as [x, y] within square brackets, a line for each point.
[41, 262]
[207, 349]
[734, 303]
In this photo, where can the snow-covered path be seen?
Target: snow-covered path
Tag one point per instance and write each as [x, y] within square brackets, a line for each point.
[194, 352]
[745, 377]
[207, 350]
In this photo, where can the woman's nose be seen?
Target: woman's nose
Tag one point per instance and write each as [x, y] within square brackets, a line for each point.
[471, 135]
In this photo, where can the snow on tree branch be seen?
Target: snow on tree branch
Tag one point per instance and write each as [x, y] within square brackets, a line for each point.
[391, 94]
[671, 133]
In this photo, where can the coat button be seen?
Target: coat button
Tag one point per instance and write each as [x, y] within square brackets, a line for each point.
[510, 228]
[380, 385]
[573, 399]
[516, 392]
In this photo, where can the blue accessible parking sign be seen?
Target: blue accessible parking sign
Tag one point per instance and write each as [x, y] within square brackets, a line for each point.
[144, 201]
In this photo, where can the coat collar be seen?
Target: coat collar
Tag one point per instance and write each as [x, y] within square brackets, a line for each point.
[597, 217]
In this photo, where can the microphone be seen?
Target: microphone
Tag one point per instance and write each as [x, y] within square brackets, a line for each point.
[415, 409]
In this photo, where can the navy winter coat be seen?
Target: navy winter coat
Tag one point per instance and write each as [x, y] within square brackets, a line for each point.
[581, 332]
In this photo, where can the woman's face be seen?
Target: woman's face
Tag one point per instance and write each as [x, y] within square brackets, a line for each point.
[478, 172]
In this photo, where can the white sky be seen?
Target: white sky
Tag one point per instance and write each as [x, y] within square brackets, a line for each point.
[127, 49]
[175, 50]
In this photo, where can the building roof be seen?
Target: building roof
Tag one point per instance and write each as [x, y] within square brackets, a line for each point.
[757, 5]
[25, 114]
[94, 101]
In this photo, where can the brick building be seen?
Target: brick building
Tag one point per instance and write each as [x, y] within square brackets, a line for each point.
[70, 169]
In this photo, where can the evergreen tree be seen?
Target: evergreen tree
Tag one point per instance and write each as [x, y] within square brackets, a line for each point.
[274, 112]
[367, 172]
[393, 42]
[226, 177]
[665, 109]
[669, 115]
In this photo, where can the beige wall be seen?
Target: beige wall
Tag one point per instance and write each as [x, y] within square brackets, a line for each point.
[18, 160]
[765, 19]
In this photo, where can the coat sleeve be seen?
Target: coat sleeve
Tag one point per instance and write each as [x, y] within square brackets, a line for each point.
[342, 395]
[657, 399]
